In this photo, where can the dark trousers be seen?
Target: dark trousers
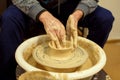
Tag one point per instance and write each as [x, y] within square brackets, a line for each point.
[15, 25]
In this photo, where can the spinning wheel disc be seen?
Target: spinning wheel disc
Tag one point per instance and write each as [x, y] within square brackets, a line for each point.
[40, 54]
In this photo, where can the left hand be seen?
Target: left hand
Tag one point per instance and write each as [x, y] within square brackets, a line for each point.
[71, 27]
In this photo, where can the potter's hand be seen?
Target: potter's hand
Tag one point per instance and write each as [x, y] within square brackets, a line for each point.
[71, 27]
[54, 28]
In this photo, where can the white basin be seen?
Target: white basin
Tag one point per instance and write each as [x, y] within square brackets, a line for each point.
[96, 56]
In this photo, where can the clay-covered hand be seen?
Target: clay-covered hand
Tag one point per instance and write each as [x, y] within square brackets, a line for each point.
[71, 30]
[54, 28]
[71, 27]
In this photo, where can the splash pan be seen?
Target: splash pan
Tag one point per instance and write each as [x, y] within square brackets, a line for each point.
[95, 61]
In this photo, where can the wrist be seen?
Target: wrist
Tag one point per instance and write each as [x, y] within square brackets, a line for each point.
[78, 14]
[44, 15]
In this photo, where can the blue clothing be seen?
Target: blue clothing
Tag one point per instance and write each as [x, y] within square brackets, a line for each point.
[15, 24]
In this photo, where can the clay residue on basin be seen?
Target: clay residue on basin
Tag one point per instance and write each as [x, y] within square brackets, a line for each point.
[91, 61]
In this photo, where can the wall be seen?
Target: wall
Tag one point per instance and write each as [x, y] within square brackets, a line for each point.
[114, 6]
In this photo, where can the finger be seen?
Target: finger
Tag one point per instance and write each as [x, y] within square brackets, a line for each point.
[71, 40]
[68, 30]
[72, 23]
[74, 35]
[75, 38]
[63, 42]
[58, 44]
[55, 39]
[53, 44]
[62, 38]
[73, 27]
[52, 36]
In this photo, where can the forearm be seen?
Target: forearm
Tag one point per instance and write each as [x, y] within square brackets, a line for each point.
[87, 6]
[30, 7]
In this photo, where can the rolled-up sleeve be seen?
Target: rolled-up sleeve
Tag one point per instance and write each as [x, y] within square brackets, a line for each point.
[30, 7]
[87, 6]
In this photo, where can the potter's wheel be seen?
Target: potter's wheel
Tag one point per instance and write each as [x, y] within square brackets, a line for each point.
[93, 65]
[78, 57]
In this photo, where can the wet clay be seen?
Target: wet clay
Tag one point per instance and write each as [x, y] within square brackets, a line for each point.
[29, 58]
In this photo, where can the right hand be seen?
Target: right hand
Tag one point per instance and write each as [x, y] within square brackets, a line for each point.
[54, 28]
